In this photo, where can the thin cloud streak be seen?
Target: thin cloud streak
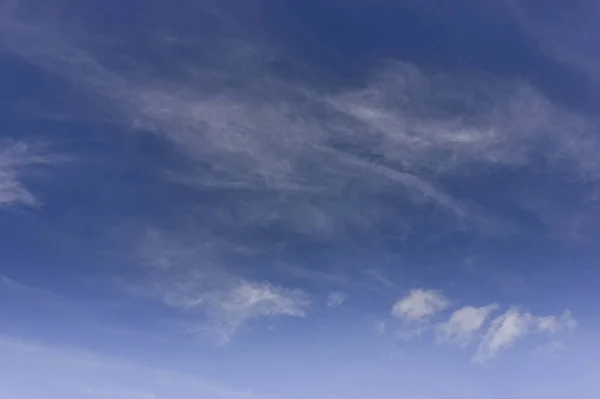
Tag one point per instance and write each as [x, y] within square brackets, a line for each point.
[16, 158]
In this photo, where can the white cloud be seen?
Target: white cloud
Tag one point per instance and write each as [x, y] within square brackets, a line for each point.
[15, 160]
[252, 300]
[305, 148]
[400, 117]
[218, 305]
[335, 299]
[419, 305]
[187, 274]
[512, 325]
[417, 308]
[463, 323]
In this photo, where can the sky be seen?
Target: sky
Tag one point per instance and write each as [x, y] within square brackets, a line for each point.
[292, 199]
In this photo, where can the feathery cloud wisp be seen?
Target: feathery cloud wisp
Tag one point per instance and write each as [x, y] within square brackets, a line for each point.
[250, 300]
[15, 159]
[187, 276]
[264, 134]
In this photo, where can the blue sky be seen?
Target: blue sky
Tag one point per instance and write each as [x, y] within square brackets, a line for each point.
[299, 199]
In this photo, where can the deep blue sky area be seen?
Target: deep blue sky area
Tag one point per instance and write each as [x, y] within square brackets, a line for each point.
[299, 199]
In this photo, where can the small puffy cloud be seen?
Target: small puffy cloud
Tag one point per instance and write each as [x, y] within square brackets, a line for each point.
[335, 299]
[463, 323]
[419, 304]
[512, 325]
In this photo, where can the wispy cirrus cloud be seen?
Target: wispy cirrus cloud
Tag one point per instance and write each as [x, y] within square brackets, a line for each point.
[187, 276]
[262, 170]
[16, 160]
[312, 158]
[248, 301]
